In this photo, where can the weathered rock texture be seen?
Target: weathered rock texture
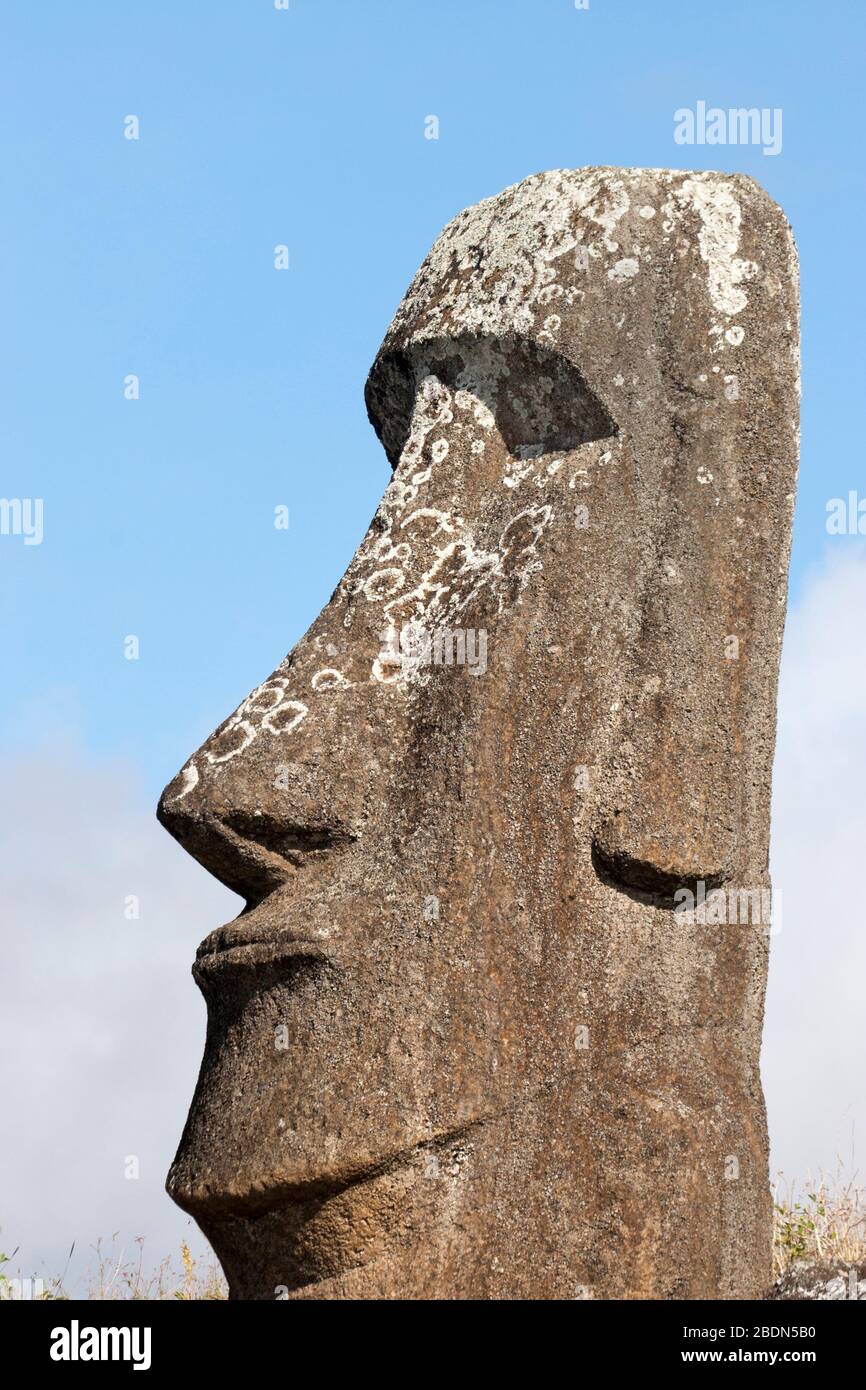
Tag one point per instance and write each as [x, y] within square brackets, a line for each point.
[460, 1044]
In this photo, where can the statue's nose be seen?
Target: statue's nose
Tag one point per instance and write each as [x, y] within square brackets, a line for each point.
[255, 808]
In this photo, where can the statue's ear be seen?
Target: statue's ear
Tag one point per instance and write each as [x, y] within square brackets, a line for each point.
[679, 804]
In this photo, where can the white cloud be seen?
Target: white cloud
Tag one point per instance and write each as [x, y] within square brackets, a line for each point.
[103, 1026]
[814, 1060]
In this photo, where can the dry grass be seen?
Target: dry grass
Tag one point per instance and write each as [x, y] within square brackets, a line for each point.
[116, 1273]
[824, 1220]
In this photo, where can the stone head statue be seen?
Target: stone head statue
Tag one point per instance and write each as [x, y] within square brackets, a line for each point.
[468, 1037]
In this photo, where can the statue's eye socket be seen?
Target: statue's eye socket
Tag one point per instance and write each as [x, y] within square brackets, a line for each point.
[540, 401]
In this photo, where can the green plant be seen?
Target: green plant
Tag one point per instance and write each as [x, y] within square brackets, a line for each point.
[826, 1222]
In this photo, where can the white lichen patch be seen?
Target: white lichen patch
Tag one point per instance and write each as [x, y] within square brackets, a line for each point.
[383, 584]
[190, 780]
[712, 197]
[538, 238]
[285, 718]
[237, 736]
[329, 678]
[436, 566]
[265, 710]
[626, 269]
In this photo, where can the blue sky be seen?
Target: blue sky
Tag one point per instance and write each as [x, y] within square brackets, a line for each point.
[156, 257]
[306, 128]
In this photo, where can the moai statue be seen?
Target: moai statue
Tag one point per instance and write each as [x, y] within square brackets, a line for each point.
[465, 1042]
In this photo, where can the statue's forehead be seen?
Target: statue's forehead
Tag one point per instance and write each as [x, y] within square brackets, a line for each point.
[630, 274]
[503, 265]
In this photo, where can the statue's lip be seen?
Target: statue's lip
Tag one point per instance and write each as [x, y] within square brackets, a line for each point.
[233, 947]
[257, 955]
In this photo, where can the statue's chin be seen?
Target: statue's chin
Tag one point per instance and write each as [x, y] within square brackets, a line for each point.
[288, 1240]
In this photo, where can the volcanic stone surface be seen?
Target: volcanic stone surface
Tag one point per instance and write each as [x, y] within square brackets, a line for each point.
[464, 1042]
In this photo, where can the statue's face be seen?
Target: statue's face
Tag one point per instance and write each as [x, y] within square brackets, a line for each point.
[460, 808]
